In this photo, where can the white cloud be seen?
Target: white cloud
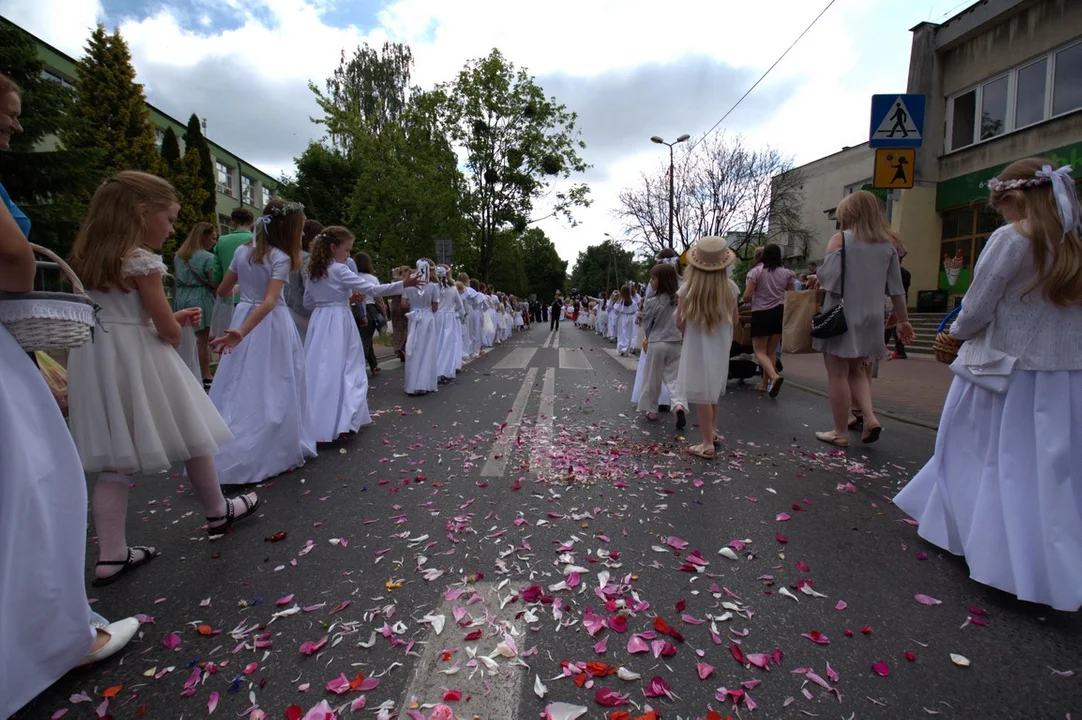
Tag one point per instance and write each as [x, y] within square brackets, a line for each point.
[251, 81]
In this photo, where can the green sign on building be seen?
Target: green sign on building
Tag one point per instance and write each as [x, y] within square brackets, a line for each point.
[966, 189]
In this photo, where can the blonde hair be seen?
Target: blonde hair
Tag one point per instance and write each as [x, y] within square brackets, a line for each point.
[321, 254]
[1058, 264]
[284, 231]
[194, 242]
[114, 228]
[709, 297]
[862, 214]
[460, 286]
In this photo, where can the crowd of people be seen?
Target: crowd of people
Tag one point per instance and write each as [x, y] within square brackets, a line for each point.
[289, 304]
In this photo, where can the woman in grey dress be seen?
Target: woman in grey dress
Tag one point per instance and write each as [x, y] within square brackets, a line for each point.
[871, 265]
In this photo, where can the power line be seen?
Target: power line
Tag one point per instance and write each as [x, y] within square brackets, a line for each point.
[762, 77]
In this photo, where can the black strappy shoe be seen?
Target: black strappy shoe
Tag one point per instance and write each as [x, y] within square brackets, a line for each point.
[126, 565]
[231, 517]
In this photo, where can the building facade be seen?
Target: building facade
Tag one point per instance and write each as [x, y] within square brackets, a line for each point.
[1003, 81]
[239, 183]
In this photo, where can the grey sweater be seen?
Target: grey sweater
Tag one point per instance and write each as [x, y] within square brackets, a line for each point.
[659, 320]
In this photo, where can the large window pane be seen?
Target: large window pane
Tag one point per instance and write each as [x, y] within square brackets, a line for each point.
[994, 108]
[1067, 85]
[965, 111]
[988, 219]
[956, 266]
[1029, 107]
[957, 223]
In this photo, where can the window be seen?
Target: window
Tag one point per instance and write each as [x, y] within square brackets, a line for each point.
[225, 178]
[246, 194]
[965, 232]
[49, 75]
[1029, 105]
[225, 224]
[994, 108]
[1040, 90]
[159, 137]
[267, 193]
[1067, 82]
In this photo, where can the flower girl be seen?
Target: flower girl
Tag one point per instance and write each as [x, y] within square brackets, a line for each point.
[448, 324]
[337, 383]
[422, 344]
[260, 385]
[134, 406]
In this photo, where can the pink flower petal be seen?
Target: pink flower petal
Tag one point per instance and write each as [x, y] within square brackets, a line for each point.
[782, 517]
[840, 605]
[657, 687]
[322, 711]
[704, 670]
[358, 704]
[171, 641]
[339, 686]
[609, 698]
[284, 600]
[759, 660]
[212, 704]
[369, 684]
[602, 646]
[926, 600]
[817, 637]
[635, 644]
[881, 668]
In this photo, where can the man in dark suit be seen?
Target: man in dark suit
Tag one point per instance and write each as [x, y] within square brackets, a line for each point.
[556, 311]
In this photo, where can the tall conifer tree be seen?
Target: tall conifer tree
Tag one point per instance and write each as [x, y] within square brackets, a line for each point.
[193, 138]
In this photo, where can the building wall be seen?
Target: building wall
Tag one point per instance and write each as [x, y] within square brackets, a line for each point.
[826, 182]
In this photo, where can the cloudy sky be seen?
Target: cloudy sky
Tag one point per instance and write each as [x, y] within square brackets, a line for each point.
[630, 68]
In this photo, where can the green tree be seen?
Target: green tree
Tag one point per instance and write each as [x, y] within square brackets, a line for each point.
[517, 143]
[546, 271]
[193, 138]
[603, 268]
[187, 179]
[49, 182]
[324, 179]
[170, 150]
[110, 109]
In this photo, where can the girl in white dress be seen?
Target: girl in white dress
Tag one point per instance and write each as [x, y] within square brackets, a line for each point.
[475, 308]
[706, 313]
[667, 257]
[625, 321]
[334, 362]
[133, 405]
[464, 323]
[260, 385]
[602, 316]
[422, 345]
[448, 326]
[663, 339]
[1004, 487]
[47, 625]
[614, 316]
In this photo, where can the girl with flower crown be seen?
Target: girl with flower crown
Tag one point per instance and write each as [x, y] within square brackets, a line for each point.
[422, 346]
[1004, 487]
[260, 385]
[134, 406]
[448, 324]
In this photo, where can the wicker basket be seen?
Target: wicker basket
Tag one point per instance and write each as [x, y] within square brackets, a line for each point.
[49, 320]
[945, 346]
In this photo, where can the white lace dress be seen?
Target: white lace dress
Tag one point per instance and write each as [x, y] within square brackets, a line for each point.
[704, 359]
[133, 403]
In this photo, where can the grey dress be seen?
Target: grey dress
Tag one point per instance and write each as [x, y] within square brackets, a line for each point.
[871, 269]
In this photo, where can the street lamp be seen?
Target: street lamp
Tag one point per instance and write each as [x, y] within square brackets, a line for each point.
[659, 141]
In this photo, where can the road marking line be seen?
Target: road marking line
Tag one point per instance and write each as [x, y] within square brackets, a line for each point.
[498, 456]
[541, 463]
[556, 338]
[574, 359]
[630, 362]
[517, 359]
[493, 693]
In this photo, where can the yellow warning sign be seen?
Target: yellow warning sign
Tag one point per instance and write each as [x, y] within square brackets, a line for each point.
[894, 168]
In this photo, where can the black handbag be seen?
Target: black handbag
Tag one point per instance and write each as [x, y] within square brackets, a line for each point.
[831, 323]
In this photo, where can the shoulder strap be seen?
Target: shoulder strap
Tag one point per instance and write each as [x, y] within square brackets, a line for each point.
[841, 292]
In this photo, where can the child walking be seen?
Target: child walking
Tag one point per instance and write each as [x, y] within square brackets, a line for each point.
[626, 309]
[134, 406]
[260, 386]
[706, 313]
[334, 361]
[422, 345]
[660, 359]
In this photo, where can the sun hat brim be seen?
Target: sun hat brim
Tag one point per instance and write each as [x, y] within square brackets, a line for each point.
[710, 264]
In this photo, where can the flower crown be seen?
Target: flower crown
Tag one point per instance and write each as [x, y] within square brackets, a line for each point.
[997, 185]
[286, 208]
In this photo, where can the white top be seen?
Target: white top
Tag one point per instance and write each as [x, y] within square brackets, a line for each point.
[253, 278]
[370, 299]
[335, 287]
[1040, 335]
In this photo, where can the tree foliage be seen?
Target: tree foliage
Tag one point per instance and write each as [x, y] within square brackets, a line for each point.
[520, 147]
[49, 182]
[170, 150]
[603, 268]
[193, 138]
[324, 180]
[546, 271]
[720, 187]
[110, 109]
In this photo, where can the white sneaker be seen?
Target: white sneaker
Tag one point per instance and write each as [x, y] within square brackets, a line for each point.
[120, 634]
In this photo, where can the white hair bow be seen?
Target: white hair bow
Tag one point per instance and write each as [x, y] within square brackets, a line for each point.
[1066, 196]
[263, 220]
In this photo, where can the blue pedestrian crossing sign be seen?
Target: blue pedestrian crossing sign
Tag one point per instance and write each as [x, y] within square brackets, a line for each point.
[897, 121]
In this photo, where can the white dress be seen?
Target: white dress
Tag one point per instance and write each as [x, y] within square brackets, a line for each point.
[45, 628]
[1004, 487]
[133, 405]
[260, 386]
[636, 389]
[422, 343]
[704, 359]
[625, 325]
[448, 332]
[334, 365]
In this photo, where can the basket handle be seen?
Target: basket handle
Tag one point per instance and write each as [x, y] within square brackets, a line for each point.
[76, 283]
[947, 319]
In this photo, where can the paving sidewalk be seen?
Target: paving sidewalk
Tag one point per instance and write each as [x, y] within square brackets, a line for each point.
[912, 390]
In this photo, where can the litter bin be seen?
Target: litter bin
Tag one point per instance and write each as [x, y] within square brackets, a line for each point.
[932, 301]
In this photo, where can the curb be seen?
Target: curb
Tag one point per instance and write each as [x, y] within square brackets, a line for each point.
[900, 417]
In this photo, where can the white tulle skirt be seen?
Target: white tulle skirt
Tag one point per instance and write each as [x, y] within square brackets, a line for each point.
[448, 344]
[337, 382]
[261, 390]
[704, 362]
[1004, 487]
[421, 353]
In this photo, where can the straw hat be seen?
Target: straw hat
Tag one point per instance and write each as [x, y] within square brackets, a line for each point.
[711, 254]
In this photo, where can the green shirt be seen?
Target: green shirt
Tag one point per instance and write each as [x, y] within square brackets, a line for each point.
[223, 251]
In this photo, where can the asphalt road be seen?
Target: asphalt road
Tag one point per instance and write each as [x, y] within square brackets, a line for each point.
[496, 537]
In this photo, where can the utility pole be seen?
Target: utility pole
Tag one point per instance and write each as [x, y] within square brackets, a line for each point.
[659, 141]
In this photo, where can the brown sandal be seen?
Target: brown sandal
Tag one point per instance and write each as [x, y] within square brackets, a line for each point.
[702, 452]
[830, 437]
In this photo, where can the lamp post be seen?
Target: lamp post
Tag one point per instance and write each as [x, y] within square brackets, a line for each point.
[659, 141]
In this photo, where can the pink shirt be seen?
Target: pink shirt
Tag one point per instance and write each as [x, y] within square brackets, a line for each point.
[770, 286]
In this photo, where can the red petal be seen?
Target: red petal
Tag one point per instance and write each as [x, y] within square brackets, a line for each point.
[910, 656]
[802, 566]
[680, 605]
[780, 538]
[452, 696]
[737, 652]
[475, 635]
[294, 712]
[881, 668]
[661, 626]
[866, 630]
